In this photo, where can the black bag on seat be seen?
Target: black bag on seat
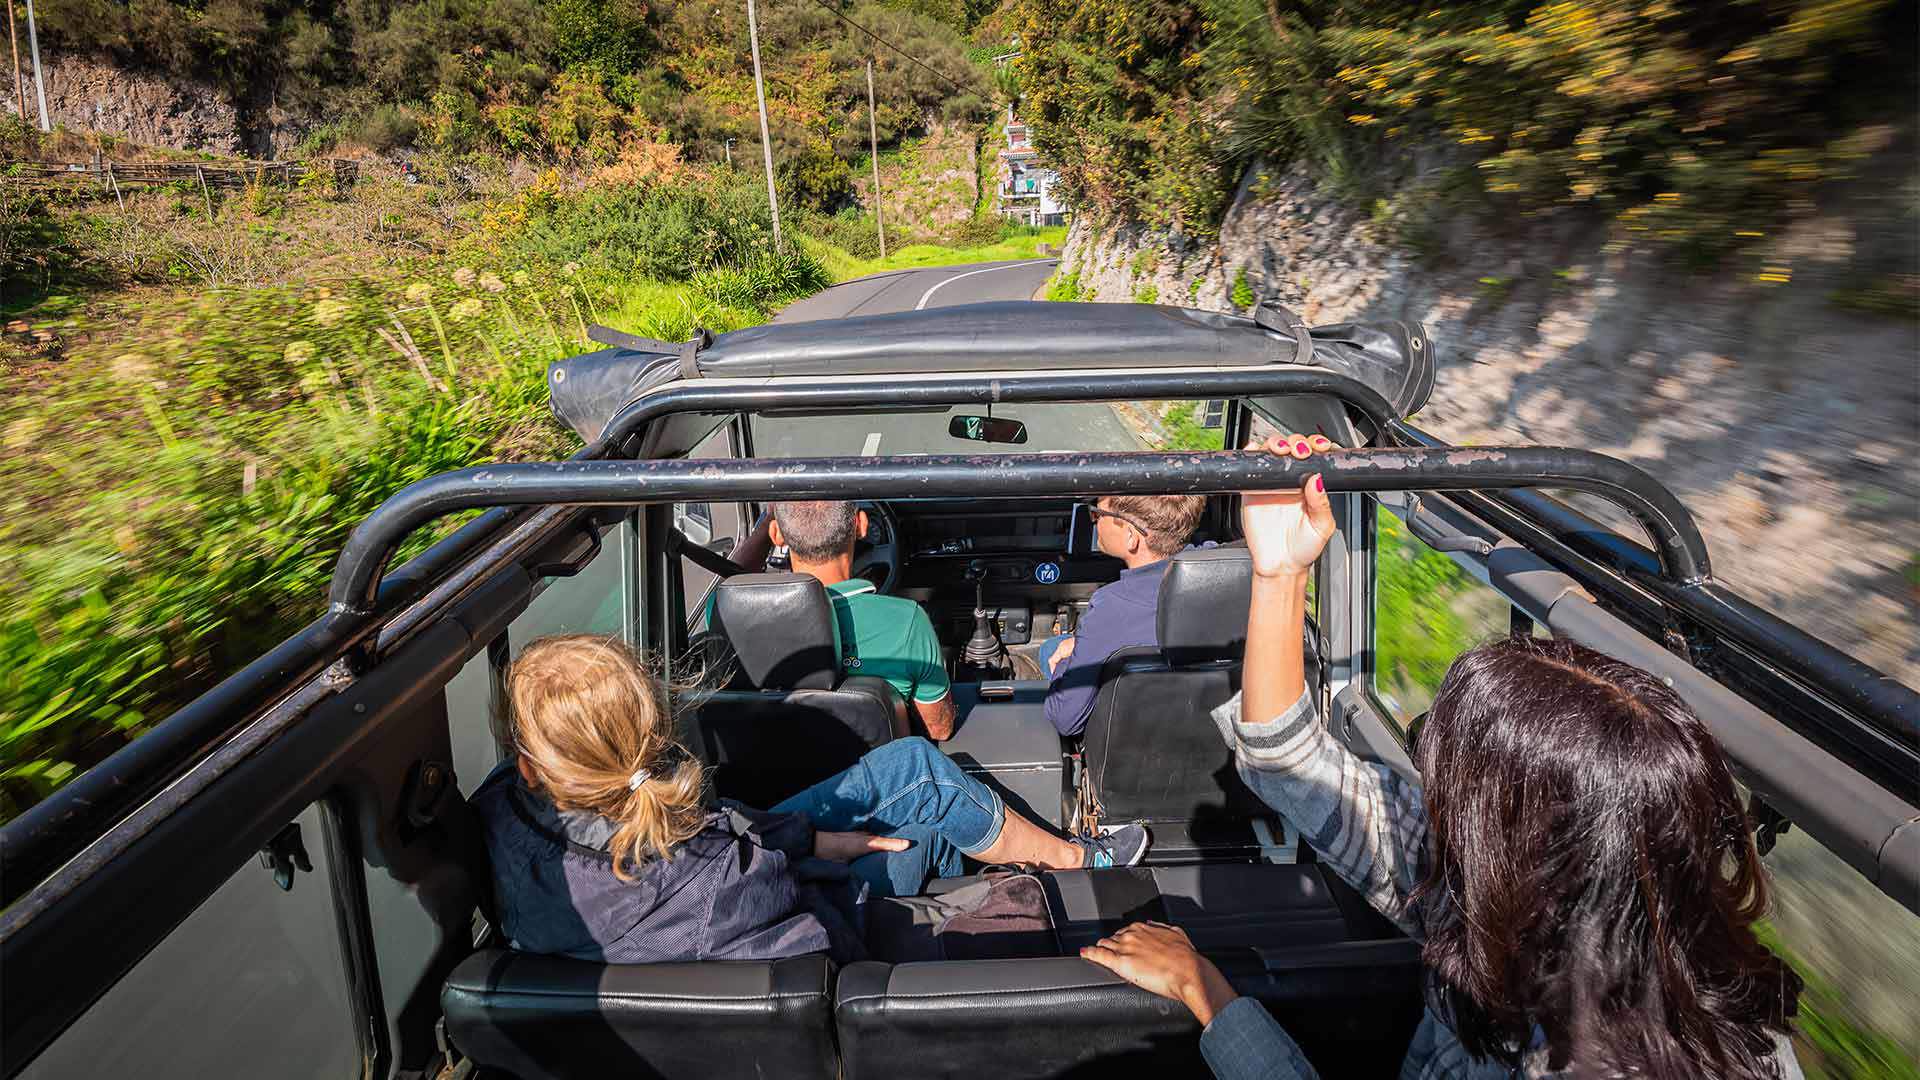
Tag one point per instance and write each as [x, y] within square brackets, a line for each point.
[1000, 914]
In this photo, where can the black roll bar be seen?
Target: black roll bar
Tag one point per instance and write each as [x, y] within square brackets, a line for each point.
[1682, 551]
[710, 396]
[48, 833]
[1890, 707]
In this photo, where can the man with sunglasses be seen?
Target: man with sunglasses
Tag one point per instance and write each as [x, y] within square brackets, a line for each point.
[1143, 531]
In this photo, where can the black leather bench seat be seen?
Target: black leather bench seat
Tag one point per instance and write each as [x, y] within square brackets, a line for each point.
[537, 1017]
[1339, 977]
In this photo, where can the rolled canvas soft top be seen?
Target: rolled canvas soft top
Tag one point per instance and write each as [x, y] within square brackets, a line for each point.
[1394, 358]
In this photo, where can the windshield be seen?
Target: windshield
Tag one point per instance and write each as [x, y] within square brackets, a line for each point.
[1092, 426]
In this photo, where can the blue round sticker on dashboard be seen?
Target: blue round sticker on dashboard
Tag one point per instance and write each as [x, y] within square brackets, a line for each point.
[1046, 573]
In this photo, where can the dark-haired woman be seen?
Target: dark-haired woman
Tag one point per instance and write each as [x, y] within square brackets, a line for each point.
[1577, 865]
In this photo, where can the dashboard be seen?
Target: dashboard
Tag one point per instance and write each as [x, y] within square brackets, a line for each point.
[1016, 544]
[1035, 557]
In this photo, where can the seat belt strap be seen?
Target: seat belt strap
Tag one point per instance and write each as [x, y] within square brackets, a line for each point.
[711, 561]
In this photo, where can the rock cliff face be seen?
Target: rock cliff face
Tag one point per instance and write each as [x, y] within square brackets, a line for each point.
[87, 93]
[1785, 421]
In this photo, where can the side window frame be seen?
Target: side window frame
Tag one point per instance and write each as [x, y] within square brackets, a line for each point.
[736, 444]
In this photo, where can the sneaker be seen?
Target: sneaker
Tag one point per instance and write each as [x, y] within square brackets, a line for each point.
[1122, 845]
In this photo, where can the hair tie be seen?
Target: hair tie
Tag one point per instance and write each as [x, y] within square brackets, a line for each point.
[640, 776]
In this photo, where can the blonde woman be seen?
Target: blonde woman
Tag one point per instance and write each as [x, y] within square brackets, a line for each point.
[603, 847]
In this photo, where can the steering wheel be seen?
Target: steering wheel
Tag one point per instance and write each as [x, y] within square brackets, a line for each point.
[876, 556]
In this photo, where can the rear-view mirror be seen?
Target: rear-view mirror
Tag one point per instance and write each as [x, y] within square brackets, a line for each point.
[987, 429]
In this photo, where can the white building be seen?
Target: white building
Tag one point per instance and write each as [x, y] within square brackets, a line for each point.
[1026, 185]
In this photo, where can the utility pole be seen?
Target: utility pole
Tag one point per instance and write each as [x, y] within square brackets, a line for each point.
[873, 138]
[39, 83]
[766, 140]
[19, 82]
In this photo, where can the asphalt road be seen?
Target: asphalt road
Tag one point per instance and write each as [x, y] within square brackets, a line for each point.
[1049, 427]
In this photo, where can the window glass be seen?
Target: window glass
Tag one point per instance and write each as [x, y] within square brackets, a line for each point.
[591, 601]
[252, 983]
[1426, 610]
[1857, 949]
[1188, 425]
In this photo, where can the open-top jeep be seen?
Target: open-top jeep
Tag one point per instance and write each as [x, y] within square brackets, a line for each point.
[284, 878]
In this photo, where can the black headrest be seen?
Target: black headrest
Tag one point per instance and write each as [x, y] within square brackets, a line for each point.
[782, 629]
[1203, 605]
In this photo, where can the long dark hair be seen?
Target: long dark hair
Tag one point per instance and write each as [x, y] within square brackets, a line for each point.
[1592, 871]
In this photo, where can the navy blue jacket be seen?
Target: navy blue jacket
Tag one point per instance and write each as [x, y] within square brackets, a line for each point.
[746, 887]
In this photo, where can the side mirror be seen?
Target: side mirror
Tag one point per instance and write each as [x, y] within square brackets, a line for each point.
[987, 429]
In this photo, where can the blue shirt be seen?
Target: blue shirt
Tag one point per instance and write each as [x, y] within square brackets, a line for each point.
[1120, 616]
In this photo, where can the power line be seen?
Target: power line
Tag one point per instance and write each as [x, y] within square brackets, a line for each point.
[911, 59]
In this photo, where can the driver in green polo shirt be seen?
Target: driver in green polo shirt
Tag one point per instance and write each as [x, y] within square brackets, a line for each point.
[883, 636]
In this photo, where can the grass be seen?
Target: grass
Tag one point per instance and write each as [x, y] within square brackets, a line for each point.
[1024, 243]
[185, 453]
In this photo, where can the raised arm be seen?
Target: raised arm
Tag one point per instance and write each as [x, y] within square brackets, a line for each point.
[1367, 823]
[1286, 531]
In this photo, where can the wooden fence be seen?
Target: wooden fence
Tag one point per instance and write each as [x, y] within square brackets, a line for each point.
[117, 174]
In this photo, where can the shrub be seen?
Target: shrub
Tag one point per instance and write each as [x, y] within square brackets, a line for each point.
[980, 230]
[1242, 293]
[1065, 285]
[386, 127]
[816, 180]
[1692, 127]
[670, 233]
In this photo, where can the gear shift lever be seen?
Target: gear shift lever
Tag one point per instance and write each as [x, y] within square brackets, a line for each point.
[983, 651]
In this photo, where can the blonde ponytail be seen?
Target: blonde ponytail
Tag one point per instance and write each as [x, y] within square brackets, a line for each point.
[597, 733]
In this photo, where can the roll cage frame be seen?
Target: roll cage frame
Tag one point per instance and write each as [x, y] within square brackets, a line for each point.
[542, 519]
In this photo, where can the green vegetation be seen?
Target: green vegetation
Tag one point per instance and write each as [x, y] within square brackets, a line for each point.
[1064, 285]
[1019, 242]
[568, 81]
[1494, 289]
[1242, 292]
[1896, 296]
[1147, 294]
[182, 463]
[1830, 1043]
[1693, 127]
[1426, 611]
[1182, 421]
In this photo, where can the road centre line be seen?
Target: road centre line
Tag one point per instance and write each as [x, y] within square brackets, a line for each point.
[928, 295]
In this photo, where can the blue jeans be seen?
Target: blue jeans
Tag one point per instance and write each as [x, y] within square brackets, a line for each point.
[907, 788]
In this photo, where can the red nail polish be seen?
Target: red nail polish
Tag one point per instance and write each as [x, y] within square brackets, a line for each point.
[1319, 484]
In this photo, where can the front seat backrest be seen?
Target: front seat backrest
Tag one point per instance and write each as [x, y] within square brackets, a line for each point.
[1152, 751]
[798, 721]
[782, 630]
[1202, 609]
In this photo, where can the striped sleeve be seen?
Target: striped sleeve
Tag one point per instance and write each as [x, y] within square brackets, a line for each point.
[1367, 823]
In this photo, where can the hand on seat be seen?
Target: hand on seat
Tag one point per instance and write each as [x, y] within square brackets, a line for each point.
[1287, 530]
[847, 846]
[1161, 959]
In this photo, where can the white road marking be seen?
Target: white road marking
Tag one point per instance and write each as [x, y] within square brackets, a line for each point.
[872, 446]
[928, 295]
